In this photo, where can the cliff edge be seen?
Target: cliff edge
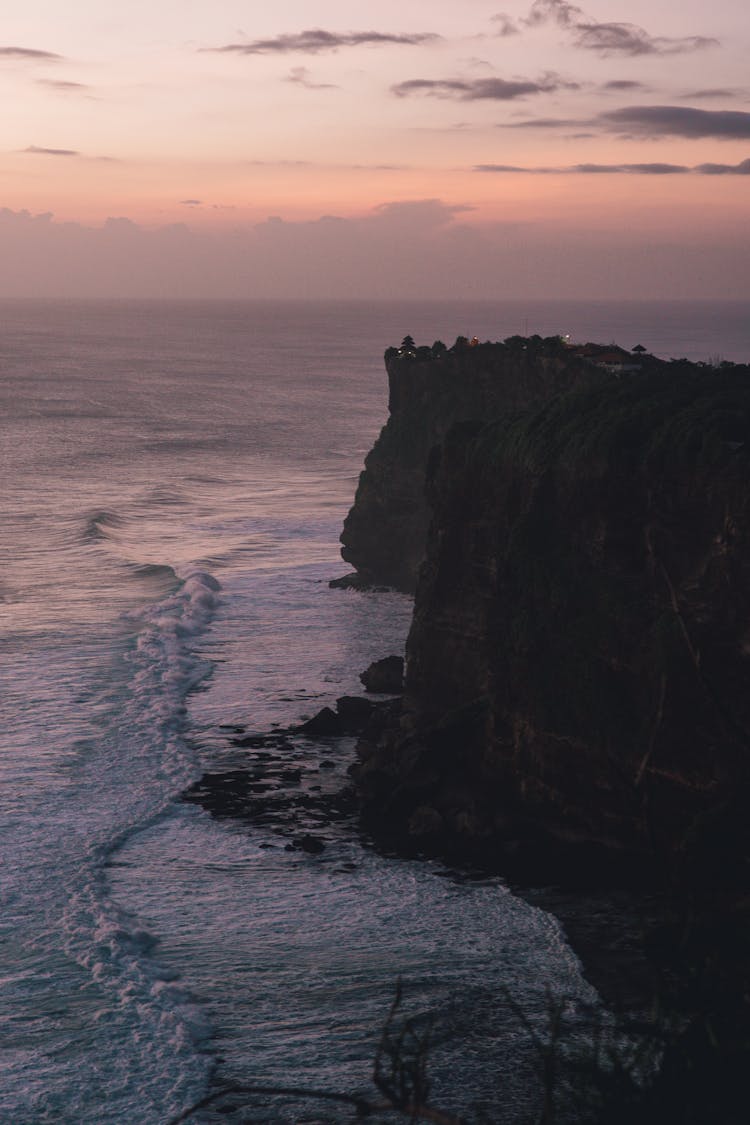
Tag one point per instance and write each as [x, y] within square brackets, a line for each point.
[579, 659]
[430, 389]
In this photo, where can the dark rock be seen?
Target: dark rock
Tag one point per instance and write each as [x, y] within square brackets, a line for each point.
[326, 764]
[290, 777]
[326, 724]
[384, 676]
[351, 581]
[578, 660]
[355, 712]
[308, 843]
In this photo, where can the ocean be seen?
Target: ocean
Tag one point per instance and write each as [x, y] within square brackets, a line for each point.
[175, 476]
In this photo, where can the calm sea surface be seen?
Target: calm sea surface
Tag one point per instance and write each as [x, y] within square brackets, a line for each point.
[174, 480]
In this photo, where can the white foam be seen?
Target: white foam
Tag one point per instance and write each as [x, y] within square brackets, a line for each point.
[134, 1022]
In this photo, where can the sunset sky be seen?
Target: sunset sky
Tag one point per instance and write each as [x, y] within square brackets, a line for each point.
[358, 149]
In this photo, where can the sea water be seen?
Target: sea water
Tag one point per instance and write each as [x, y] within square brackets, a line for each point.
[174, 479]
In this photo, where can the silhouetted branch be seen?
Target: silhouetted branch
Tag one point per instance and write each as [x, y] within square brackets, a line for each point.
[399, 1074]
[361, 1105]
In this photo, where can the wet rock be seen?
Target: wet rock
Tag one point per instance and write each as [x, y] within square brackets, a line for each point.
[326, 724]
[384, 676]
[351, 581]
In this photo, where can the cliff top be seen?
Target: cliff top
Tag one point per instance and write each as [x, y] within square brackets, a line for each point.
[611, 357]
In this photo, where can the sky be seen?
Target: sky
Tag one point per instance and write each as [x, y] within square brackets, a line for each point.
[483, 149]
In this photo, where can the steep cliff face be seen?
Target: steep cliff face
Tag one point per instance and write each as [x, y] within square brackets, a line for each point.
[385, 532]
[579, 661]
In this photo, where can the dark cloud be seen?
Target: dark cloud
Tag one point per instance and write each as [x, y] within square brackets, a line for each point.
[637, 169]
[628, 39]
[27, 53]
[315, 40]
[718, 92]
[742, 169]
[655, 169]
[478, 89]
[508, 168]
[544, 123]
[505, 25]
[610, 37]
[39, 151]
[678, 121]
[623, 84]
[653, 121]
[300, 76]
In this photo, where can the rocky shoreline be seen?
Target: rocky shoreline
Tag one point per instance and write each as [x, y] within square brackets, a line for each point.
[296, 783]
[674, 971]
[575, 527]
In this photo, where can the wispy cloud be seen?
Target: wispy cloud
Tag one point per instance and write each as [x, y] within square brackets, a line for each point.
[655, 169]
[62, 86]
[27, 53]
[38, 150]
[479, 89]
[610, 37]
[42, 150]
[300, 76]
[505, 25]
[316, 39]
[191, 202]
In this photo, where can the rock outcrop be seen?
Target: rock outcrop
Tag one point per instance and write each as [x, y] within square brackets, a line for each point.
[385, 532]
[579, 660]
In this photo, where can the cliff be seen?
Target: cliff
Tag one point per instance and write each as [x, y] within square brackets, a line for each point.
[579, 659]
[430, 390]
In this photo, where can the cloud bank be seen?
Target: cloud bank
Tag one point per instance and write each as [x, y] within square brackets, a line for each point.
[654, 169]
[403, 250]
